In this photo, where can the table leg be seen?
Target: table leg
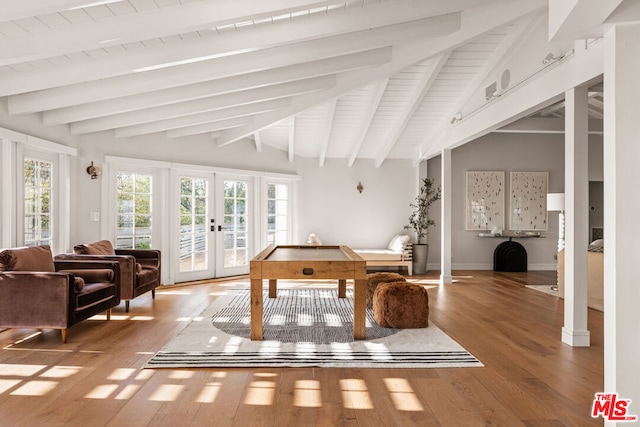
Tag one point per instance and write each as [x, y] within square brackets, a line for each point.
[256, 309]
[342, 288]
[273, 286]
[359, 309]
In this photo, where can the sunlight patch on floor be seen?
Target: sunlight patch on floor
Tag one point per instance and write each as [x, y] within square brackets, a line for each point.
[402, 394]
[306, 394]
[355, 394]
[260, 393]
[35, 388]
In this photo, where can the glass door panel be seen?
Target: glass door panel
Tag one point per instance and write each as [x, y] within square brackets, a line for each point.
[195, 236]
[233, 233]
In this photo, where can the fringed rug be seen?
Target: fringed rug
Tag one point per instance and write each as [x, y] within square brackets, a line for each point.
[304, 327]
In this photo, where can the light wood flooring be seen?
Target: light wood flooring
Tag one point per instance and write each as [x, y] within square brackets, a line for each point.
[530, 378]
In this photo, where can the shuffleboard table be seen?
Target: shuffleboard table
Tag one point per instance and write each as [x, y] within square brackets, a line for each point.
[308, 262]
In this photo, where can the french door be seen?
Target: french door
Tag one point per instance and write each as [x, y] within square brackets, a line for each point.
[195, 227]
[235, 226]
[213, 225]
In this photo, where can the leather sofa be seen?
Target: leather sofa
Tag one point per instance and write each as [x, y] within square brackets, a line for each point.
[140, 269]
[38, 292]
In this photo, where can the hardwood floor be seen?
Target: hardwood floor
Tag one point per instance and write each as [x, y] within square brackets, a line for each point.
[530, 378]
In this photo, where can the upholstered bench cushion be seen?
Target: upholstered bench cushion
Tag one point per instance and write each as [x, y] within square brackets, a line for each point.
[374, 279]
[401, 305]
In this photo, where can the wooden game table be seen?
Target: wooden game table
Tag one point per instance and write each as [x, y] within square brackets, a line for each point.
[308, 262]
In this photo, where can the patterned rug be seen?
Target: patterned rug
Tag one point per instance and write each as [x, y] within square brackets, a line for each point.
[304, 327]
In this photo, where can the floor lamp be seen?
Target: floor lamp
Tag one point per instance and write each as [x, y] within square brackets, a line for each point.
[555, 203]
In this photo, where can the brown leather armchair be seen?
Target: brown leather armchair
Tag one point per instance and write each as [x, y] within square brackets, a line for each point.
[38, 292]
[140, 269]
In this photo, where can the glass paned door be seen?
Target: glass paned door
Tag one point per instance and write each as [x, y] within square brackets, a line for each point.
[195, 234]
[234, 231]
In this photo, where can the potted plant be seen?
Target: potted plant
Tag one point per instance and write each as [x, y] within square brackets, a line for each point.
[420, 222]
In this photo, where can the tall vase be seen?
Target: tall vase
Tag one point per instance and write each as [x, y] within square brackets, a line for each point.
[420, 253]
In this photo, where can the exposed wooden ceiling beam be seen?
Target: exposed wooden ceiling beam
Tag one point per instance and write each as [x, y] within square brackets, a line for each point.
[143, 25]
[225, 45]
[204, 104]
[211, 127]
[423, 86]
[363, 127]
[324, 145]
[13, 10]
[546, 125]
[43, 92]
[201, 118]
[217, 87]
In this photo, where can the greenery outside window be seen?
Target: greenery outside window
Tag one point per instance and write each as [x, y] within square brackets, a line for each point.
[134, 214]
[38, 217]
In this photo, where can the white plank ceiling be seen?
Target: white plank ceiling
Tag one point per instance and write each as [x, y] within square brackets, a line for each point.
[363, 79]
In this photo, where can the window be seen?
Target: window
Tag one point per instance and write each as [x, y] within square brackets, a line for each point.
[134, 216]
[277, 213]
[38, 218]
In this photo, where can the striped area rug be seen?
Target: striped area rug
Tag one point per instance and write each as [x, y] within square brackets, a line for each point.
[304, 327]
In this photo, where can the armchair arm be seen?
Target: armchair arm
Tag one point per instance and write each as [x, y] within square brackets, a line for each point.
[145, 257]
[30, 299]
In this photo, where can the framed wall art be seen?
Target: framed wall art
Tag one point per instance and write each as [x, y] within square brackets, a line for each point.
[485, 200]
[528, 201]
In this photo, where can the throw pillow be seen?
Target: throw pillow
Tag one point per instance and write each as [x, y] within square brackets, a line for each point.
[102, 247]
[35, 258]
[397, 243]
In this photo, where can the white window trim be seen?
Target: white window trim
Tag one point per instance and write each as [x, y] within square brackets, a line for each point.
[14, 145]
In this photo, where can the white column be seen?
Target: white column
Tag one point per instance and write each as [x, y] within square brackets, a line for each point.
[576, 188]
[7, 194]
[445, 218]
[621, 207]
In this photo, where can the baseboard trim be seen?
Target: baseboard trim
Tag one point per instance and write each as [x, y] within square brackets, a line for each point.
[469, 266]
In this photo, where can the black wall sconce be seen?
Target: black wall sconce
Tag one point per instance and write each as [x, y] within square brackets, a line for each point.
[94, 171]
[359, 187]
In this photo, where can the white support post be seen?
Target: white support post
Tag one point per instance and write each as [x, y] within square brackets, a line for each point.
[445, 218]
[621, 206]
[7, 194]
[576, 186]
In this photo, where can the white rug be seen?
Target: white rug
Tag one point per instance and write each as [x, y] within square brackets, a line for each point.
[304, 327]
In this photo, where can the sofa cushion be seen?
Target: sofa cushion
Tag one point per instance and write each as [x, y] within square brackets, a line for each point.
[102, 247]
[397, 243]
[35, 258]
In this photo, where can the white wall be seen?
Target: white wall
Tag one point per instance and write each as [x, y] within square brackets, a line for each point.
[504, 152]
[332, 208]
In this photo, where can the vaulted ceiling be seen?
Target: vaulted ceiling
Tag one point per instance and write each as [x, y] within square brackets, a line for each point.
[364, 79]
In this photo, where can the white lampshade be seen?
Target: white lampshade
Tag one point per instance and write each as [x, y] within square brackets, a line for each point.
[555, 202]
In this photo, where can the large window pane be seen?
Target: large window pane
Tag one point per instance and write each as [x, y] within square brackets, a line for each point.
[37, 202]
[277, 213]
[134, 208]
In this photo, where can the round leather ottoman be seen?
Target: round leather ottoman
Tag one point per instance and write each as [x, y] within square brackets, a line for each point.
[401, 305]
